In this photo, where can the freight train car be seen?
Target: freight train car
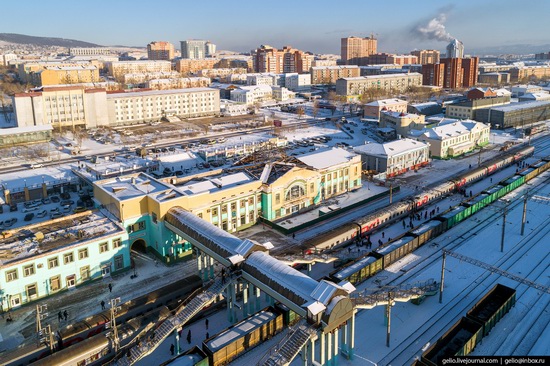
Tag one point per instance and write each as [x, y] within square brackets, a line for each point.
[237, 339]
[492, 307]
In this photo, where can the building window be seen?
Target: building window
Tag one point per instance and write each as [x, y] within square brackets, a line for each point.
[68, 258]
[83, 253]
[28, 270]
[85, 273]
[141, 225]
[154, 217]
[53, 262]
[55, 283]
[251, 201]
[277, 198]
[214, 212]
[103, 247]
[233, 206]
[224, 208]
[119, 262]
[32, 291]
[11, 275]
[117, 243]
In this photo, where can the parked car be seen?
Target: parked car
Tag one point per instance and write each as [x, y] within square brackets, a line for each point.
[54, 210]
[66, 208]
[42, 213]
[67, 202]
[28, 217]
[56, 215]
[55, 199]
[36, 165]
[29, 209]
[65, 195]
[31, 204]
[45, 201]
[172, 148]
[13, 208]
[10, 222]
[79, 209]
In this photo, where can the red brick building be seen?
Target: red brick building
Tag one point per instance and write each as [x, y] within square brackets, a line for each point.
[451, 73]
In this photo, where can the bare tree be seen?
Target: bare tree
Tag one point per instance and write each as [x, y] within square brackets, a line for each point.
[315, 108]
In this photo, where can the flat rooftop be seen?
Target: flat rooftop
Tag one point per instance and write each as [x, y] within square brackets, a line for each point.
[24, 242]
[214, 183]
[132, 186]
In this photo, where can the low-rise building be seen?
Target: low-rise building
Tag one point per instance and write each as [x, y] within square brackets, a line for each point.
[454, 138]
[178, 83]
[494, 78]
[524, 73]
[395, 157]
[297, 82]
[193, 66]
[281, 94]
[119, 68]
[262, 79]
[468, 109]
[515, 114]
[542, 95]
[232, 108]
[221, 72]
[75, 250]
[140, 78]
[373, 109]
[402, 122]
[353, 88]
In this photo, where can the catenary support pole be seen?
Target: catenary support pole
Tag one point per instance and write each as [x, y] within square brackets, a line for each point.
[524, 217]
[503, 229]
[441, 284]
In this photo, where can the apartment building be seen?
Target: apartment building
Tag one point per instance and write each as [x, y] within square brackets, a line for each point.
[267, 59]
[91, 51]
[427, 56]
[177, 83]
[119, 68]
[136, 107]
[452, 73]
[193, 66]
[373, 109]
[160, 50]
[56, 75]
[197, 49]
[329, 74]
[520, 74]
[402, 122]
[356, 50]
[140, 78]
[221, 72]
[353, 88]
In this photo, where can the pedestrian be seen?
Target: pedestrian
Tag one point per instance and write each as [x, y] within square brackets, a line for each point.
[102, 305]
[207, 335]
[293, 235]
[65, 314]
[60, 316]
[470, 193]
[491, 180]
[383, 235]
[403, 223]
[110, 287]
[379, 242]
[349, 250]
[189, 336]
[172, 348]
[437, 209]
[206, 324]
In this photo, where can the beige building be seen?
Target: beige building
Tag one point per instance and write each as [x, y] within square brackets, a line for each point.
[402, 122]
[453, 138]
[27, 70]
[354, 87]
[373, 109]
[56, 75]
[329, 74]
[427, 56]
[140, 78]
[221, 72]
[523, 73]
[467, 110]
[119, 68]
[356, 50]
[160, 50]
[177, 83]
[91, 51]
[192, 66]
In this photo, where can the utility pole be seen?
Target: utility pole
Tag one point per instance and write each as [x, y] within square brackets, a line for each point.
[442, 277]
[45, 335]
[388, 316]
[503, 229]
[524, 217]
[391, 192]
[112, 323]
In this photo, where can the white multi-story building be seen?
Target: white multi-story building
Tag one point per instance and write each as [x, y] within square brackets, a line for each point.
[295, 82]
[232, 108]
[139, 78]
[6, 58]
[90, 51]
[453, 138]
[196, 48]
[177, 83]
[74, 106]
[281, 94]
[120, 68]
[261, 79]
[356, 86]
[135, 107]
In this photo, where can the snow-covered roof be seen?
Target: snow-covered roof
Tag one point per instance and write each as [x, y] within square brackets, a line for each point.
[520, 106]
[131, 186]
[26, 129]
[391, 148]
[386, 102]
[215, 183]
[394, 245]
[448, 129]
[425, 227]
[348, 271]
[327, 158]
[157, 92]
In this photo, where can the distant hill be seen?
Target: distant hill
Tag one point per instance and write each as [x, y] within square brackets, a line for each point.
[43, 41]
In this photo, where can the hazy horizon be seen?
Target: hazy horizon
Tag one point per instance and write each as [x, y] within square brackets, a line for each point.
[315, 26]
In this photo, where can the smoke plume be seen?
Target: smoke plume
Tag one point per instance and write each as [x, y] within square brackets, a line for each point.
[434, 29]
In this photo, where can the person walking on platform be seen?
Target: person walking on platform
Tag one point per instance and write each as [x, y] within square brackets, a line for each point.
[102, 305]
[60, 316]
[172, 348]
[189, 336]
[206, 324]
[65, 314]
[110, 287]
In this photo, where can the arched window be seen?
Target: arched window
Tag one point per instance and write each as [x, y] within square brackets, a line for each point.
[296, 191]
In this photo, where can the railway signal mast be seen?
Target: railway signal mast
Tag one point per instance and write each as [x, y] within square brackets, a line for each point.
[490, 268]
[45, 335]
[112, 323]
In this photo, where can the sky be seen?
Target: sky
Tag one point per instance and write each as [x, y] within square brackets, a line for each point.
[484, 26]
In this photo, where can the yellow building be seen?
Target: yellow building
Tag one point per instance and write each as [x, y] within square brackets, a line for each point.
[55, 75]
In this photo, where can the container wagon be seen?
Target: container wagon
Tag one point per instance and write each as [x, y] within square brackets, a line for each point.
[237, 339]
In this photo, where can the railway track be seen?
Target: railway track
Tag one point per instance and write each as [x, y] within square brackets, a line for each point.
[456, 306]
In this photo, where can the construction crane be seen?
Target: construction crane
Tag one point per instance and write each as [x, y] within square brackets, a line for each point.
[488, 267]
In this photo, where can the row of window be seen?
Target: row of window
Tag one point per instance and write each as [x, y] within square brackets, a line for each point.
[53, 262]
